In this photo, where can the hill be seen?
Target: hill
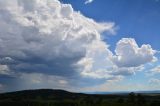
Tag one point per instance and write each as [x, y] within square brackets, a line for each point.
[40, 93]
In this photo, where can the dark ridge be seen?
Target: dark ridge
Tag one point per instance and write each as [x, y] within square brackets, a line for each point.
[43, 93]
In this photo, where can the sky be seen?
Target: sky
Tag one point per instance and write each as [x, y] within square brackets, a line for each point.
[80, 45]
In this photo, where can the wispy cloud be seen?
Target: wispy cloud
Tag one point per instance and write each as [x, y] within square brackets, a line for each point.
[154, 81]
[88, 1]
[154, 71]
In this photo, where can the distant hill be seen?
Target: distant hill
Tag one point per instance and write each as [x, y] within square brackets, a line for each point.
[43, 93]
[126, 92]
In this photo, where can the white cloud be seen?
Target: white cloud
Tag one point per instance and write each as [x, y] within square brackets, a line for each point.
[88, 1]
[128, 54]
[47, 37]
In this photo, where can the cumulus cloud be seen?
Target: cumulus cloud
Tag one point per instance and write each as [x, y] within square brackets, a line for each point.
[88, 1]
[129, 54]
[46, 36]
[128, 59]
[45, 40]
[40, 35]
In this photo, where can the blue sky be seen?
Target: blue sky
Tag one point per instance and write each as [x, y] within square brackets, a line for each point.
[80, 45]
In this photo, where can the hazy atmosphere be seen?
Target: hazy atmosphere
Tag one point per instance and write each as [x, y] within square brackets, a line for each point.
[80, 45]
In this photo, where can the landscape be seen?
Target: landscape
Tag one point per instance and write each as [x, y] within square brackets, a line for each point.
[49, 97]
[79, 52]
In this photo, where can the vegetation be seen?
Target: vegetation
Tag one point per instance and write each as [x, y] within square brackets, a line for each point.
[47, 97]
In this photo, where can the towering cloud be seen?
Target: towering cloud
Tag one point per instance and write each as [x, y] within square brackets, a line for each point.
[45, 36]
